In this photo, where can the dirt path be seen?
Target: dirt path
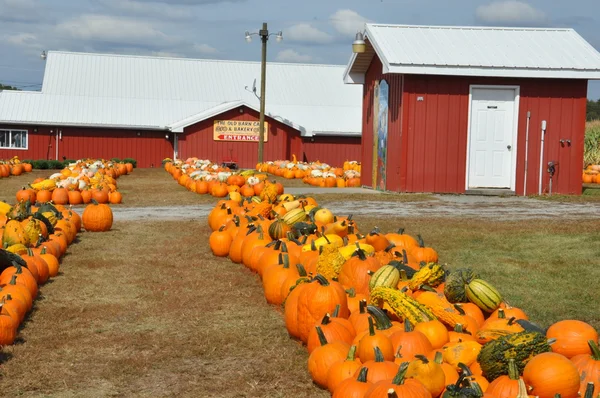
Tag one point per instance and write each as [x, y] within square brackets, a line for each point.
[441, 206]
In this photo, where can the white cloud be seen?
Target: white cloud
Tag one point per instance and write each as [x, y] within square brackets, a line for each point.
[348, 22]
[21, 11]
[307, 34]
[290, 55]
[113, 29]
[158, 10]
[28, 40]
[204, 49]
[511, 12]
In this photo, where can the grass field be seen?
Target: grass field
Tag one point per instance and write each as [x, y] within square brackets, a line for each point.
[146, 310]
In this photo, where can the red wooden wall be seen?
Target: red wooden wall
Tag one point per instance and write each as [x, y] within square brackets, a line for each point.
[149, 148]
[427, 140]
[284, 141]
[435, 145]
[331, 150]
[394, 126]
[197, 141]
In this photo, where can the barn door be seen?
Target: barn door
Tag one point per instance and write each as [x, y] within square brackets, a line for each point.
[491, 156]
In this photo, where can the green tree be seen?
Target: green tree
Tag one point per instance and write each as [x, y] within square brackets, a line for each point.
[593, 110]
[5, 87]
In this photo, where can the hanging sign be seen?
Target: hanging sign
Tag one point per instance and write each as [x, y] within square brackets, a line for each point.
[238, 130]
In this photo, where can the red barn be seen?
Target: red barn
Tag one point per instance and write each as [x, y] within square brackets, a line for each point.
[151, 108]
[473, 109]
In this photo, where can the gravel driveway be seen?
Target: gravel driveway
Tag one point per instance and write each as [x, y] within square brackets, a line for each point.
[501, 208]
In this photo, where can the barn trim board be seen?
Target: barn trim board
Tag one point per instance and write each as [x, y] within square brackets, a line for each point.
[507, 181]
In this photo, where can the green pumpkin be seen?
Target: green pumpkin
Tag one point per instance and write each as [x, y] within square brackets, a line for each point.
[495, 355]
[454, 289]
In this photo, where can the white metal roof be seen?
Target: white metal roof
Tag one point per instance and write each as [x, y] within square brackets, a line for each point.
[477, 51]
[155, 92]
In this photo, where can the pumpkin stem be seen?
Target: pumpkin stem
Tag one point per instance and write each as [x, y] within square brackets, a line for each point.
[362, 375]
[390, 247]
[371, 327]
[513, 371]
[362, 306]
[439, 358]
[399, 378]
[391, 393]
[404, 257]
[360, 253]
[322, 280]
[378, 354]
[512, 320]
[94, 201]
[501, 314]
[400, 231]
[336, 311]
[460, 310]
[301, 269]
[222, 228]
[351, 292]
[322, 338]
[420, 240]
[407, 326]
[351, 354]
[589, 390]
[381, 319]
[595, 350]
[326, 319]
[422, 358]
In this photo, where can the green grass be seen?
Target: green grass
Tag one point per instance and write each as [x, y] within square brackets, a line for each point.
[590, 194]
[542, 266]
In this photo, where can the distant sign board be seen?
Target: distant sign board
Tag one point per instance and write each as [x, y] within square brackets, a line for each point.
[238, 130]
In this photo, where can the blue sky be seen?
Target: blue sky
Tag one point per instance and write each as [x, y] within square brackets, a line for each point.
[315, 31]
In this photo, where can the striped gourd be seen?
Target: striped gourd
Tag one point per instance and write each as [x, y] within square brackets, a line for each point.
[294, 216]
[386, 276]
[278, 229]
[402, 305]
[483, 295]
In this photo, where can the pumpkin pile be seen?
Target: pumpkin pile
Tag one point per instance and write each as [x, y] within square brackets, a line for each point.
[78, 183]
[591, 174]
[381, 317]
[315, 173]
[204, 177]
[33, 239]
[13, 167]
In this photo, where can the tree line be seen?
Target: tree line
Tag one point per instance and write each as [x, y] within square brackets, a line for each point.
[593, 110]
[5, 87]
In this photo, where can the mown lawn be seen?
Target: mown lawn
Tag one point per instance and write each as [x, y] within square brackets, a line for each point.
[146, 310]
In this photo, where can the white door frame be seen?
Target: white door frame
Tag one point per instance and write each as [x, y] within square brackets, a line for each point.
[517, 90]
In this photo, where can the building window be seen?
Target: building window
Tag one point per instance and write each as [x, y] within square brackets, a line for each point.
[13, 139]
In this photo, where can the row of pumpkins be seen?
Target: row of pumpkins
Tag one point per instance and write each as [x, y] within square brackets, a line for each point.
[79, 183]
[380, 316]
[13, 167]
[220, 184]
[34, 239]
[315, 173]
[591, 174]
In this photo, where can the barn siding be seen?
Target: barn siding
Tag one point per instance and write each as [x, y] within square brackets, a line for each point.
[284, 141]
[331, 150]
[436, 140]
[394, 159]
[149, 148]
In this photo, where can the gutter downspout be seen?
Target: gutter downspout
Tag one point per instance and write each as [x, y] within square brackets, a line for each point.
[542, 157]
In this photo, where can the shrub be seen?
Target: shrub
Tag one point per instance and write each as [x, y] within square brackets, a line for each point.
[40, 164]
[55, 164]
[115, 160]
[130, 160]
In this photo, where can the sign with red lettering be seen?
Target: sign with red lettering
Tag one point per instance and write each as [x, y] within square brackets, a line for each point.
[238, 130]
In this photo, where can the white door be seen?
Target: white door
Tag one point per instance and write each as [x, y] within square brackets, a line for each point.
[492, 140]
